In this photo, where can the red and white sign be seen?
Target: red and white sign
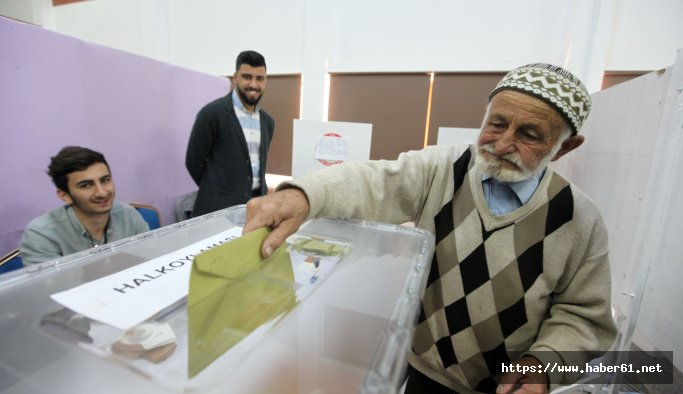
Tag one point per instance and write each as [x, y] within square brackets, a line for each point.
[331, 149]
[317, 145]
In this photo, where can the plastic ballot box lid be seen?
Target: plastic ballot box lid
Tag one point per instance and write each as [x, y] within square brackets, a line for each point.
[333, 311]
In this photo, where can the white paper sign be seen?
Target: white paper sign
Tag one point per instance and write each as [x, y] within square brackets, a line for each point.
[332, 148]
[130, 297]
[318, 144]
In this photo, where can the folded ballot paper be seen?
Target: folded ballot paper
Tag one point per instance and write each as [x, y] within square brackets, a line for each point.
[234, 291]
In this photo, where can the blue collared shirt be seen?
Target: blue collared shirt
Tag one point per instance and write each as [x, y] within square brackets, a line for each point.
[251, 126]
[504, 197]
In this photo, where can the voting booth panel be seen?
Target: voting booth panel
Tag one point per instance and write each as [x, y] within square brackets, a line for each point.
[457, 136]
[631, 167]
[345, 327]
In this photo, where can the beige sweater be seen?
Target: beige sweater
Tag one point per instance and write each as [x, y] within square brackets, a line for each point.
[533, 281]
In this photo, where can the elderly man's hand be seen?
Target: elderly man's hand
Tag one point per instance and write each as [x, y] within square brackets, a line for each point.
[283, 211]
[528, 383]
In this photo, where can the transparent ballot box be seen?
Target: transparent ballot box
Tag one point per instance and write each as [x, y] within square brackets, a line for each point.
[330, 312]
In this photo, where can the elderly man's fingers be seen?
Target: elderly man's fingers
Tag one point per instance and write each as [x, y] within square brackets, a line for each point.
[505, 388]
[278, 236]
[283, 212]
[271, 210]
[256, 216]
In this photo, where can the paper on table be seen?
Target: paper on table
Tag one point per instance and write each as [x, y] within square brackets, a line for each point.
[131, 296]
[233, 292]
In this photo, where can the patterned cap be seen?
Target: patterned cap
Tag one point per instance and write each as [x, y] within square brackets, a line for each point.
[552, 84]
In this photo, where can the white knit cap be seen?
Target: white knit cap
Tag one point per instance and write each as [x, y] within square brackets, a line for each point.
[556, 86]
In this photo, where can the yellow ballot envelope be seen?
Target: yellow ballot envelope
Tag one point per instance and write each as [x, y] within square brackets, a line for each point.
[234, 291]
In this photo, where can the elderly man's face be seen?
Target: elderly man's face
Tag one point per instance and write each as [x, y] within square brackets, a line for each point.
[519, 136]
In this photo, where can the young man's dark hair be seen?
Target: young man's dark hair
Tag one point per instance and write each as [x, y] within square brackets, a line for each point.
[71, 159]
[89, 217]
[251, 58]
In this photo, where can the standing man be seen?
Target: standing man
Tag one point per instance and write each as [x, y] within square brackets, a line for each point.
[520, 276]
[90, 217]
[228, 147]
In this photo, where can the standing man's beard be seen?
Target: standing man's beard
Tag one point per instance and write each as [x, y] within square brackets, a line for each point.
[246, 99]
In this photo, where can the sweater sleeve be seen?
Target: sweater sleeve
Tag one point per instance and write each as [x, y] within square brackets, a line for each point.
[580, 325]
[386, 191]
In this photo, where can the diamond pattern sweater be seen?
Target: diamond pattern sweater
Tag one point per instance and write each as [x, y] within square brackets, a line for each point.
[534, 281]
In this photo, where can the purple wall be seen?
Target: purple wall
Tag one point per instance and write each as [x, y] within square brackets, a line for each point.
[56, 90]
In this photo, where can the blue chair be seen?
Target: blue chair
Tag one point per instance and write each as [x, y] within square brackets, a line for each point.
[149, 213]
[10, 262]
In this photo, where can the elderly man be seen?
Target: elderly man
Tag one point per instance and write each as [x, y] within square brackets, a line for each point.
[520, 276]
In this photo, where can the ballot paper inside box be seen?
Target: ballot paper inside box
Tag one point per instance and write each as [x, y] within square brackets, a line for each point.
[340, 317]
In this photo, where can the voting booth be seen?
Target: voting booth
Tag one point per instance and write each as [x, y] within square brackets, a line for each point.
[631, 167]
[336, 316]
[457, 136]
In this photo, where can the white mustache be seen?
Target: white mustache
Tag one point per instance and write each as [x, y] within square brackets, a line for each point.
[510, 157]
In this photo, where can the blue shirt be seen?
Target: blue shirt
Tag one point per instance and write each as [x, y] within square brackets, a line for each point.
[504, 197]
[251, 126]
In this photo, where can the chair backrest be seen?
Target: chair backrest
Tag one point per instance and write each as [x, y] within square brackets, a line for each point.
[149, 213]
[11, 261]
[184, 205]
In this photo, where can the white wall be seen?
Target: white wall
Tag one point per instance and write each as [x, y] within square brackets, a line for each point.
[315, 37]
[137, 26]
[21, 10]
[646, 35]
[444, 36]
[207, 35]
[377, 35]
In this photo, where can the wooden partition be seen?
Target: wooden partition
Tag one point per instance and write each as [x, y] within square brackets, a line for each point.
[395, 104]
[612, 78]
[459, 100]
[282, 101]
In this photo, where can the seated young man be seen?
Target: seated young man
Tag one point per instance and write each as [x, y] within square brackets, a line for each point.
[90, 216]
